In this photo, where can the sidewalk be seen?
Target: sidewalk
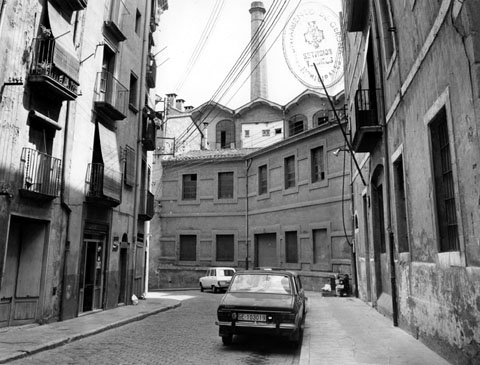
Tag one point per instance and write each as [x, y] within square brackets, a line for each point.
[18, 342]
[345, 330]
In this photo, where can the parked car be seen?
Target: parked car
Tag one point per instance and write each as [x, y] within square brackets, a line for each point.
[266, 302]
[216, 278]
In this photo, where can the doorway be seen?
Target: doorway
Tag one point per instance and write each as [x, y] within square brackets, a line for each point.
[92, 272]
[21, 287]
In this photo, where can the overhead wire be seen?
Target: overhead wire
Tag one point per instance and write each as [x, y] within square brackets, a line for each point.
[242, 63]
[242, 56]
[269, 30]
[204, 37]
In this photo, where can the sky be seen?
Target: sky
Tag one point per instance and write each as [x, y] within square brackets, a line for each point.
[180, 30]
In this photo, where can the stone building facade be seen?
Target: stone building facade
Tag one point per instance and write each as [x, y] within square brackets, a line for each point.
[412, 94]
[76, 127]
[278, 204]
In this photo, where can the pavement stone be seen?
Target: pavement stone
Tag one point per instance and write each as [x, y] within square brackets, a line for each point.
[338, 331]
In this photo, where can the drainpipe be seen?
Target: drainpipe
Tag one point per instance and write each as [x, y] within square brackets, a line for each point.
[248, 163]
[138, 168]
[66, 208]
[391, 245]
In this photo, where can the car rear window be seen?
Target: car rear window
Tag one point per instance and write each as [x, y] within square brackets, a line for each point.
[266, 283]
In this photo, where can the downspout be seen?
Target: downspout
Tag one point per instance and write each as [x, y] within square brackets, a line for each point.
[391, 245]
[66, 208]
[248, 163]
[138, 167]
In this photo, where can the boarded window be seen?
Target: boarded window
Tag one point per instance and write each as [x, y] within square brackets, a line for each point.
[291, 247]
[225, 247]
[289, 172]
[444, 185]
[318, 169]
[129, 176]
[189, 187]
[262, 180]
[188, 247]
[225, 185]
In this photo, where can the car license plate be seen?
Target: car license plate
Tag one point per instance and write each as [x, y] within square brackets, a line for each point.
[252, 317]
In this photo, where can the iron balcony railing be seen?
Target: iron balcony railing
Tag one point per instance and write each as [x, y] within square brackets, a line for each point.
[111, 92]
[41, 172]
[103, 183]
[146, 208]
[366, 102]
[43, 63]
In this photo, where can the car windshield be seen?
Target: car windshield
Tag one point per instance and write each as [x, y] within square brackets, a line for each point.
[227, 272]
[264, 283]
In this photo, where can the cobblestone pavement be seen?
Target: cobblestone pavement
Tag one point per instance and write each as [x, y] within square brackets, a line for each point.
[186, 335]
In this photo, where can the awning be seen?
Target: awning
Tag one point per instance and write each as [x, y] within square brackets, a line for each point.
[64, 57]
[112, 180]
[44, 120]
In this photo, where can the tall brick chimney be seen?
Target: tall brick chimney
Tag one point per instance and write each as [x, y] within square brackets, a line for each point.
[258, 77]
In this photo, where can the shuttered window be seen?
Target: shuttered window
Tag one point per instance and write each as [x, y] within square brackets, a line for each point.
[291, 247]
[129, 174]
[262, 180]
[188, 247]
[225, 247]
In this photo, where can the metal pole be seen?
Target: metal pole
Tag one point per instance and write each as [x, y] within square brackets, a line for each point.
[341, 128]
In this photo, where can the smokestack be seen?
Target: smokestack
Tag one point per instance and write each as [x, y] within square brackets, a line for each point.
[179, 104]
[171, 100]
[258, 78]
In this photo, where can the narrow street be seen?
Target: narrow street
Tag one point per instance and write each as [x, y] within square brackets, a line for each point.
[185, 335]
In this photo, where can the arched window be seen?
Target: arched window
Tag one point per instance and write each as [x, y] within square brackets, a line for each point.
[321, 117]
[225, 134]
[296, 124]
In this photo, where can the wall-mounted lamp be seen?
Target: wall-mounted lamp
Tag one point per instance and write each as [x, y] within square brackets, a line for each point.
[337, 151]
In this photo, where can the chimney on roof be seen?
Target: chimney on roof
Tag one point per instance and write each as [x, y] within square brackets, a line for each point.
[179, 105]
[171, 100]
[258, 65]
[188, 108]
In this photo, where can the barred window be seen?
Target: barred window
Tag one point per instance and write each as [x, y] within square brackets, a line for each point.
[296, 125]
[225, 185]
[289, 172]
[444, 187]
[189, 187]
[317, 164]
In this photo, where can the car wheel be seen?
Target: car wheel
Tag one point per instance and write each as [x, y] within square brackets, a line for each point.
[227, 339]
[214, 288]
[201, 287]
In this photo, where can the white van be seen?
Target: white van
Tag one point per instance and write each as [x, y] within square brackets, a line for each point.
[216, 278]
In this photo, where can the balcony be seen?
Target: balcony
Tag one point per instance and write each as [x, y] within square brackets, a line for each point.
[149, 134]
[42, 173]
[356, 15]
[113, 23]
[72, 5]
[111, 97]
[153, 24]
[367, 129]
[103, 185]
[46, 76]
[151, 72]
[146, 208]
